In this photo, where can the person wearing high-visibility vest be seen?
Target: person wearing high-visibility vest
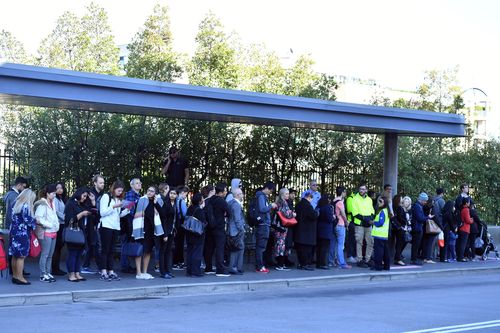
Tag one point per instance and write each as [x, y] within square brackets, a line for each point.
[380, 233]
[363, 212]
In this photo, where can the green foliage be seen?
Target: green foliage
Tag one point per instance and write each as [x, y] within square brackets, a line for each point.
[151, 54]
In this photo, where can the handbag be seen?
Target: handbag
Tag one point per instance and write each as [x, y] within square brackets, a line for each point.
[285, 221]
[234, 243]
[3, 257]
[73, 234]
[478, 242]
[431, 227]
[192, 224]
[35, 247]
[133, 249]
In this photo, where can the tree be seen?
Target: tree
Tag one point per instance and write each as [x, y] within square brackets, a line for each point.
[12, 50]
[151, 53]
[214, 63]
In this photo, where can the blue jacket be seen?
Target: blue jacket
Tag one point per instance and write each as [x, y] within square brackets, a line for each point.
[418, 217]
[325, 222]
[263, 208]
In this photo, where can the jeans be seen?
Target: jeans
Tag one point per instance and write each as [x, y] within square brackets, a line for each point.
[220, 245]
[429, 246]
[73, 262]
[48, 247]
[209, 249]
[93, 247]
[339, 243]
[180, 238]
[351, 241]
[400, 244]
[262, 235]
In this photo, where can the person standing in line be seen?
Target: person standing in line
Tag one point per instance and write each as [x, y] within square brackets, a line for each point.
[60, 204]
[148, 218]
[93, 243]
[289, 235]
[76, 214]
[313, 188]
[9, 198]
[23, 224]
[342, 225]
[208, 193]
[176, 169]
[236, 228]
[464, 230]
[131, 198]
[325, 231]
[351, 231]
[46, 230]
[403, 221]
[438, 209]
[194, 251]
[110, 210]
[180, 236]
[417, 226]
[235, 184]
[166, 254]
[362, 212]
[280, 232]
[380, 233]
[221, 213]
[305, 232]
[262, 232]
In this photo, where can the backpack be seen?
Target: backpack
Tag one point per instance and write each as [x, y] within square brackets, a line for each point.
[457, 218]
[209, 211]
[335, 218]
[253, 218]
[98, 205]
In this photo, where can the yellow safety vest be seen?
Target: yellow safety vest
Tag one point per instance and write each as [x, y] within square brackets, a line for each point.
[382, 231]
[361, 206]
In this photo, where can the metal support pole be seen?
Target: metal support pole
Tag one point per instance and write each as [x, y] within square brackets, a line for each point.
[391, 161]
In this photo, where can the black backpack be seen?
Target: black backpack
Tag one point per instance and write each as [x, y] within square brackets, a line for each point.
[335, 218]
[253, 218]
[98, 205]
[209, 211]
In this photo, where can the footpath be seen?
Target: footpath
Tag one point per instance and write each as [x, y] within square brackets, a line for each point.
[129, 288]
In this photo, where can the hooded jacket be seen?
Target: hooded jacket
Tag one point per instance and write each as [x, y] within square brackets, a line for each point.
[235, 183]
[47, 220]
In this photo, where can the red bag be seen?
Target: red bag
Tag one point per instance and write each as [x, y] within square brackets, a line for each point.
[3, 257]
[285, 221]
[35, 247]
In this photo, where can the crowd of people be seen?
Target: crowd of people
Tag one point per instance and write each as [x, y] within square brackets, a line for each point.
[208, 235]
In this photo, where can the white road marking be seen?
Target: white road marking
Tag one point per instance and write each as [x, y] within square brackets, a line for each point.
[460, 328]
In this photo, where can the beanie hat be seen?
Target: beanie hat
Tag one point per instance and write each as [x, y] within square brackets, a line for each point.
[423, 197]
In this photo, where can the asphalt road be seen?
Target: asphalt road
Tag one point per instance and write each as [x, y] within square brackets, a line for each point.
[392, 306]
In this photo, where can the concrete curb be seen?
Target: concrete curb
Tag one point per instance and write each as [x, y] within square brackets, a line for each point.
[224, 287]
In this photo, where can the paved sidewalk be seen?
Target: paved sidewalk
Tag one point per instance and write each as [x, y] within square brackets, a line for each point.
[63, 291]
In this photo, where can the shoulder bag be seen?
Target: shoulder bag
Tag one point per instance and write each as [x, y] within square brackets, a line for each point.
[73, 234]
[192, 224]
[285, 221]
[432, 228]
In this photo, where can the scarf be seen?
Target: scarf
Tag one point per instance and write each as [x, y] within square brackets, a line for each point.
[138, 222]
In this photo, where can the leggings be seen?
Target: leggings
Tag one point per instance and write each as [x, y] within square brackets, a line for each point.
[48, 246]
[108, 239]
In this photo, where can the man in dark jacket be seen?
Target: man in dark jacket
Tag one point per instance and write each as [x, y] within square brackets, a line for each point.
[221, 213]
[262, 232]
[418, 220]
[305, 231]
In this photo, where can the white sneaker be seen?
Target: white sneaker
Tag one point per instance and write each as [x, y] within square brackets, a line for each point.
[351, 260]
[147, 276]
[139, 277]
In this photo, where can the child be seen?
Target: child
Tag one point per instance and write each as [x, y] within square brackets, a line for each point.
[452, 242]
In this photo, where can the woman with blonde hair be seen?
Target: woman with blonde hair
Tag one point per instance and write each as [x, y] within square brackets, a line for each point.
[279, 231]
[403, 223]
[23, 224]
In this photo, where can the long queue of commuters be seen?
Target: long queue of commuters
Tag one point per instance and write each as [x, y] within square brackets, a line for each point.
[323, 229]
[367, 229]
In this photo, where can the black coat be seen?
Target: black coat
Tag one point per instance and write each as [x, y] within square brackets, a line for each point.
[221, 212]
[169, 211]
[305, 230]
[196, 211]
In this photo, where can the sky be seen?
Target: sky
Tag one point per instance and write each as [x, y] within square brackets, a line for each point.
[392, 42]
